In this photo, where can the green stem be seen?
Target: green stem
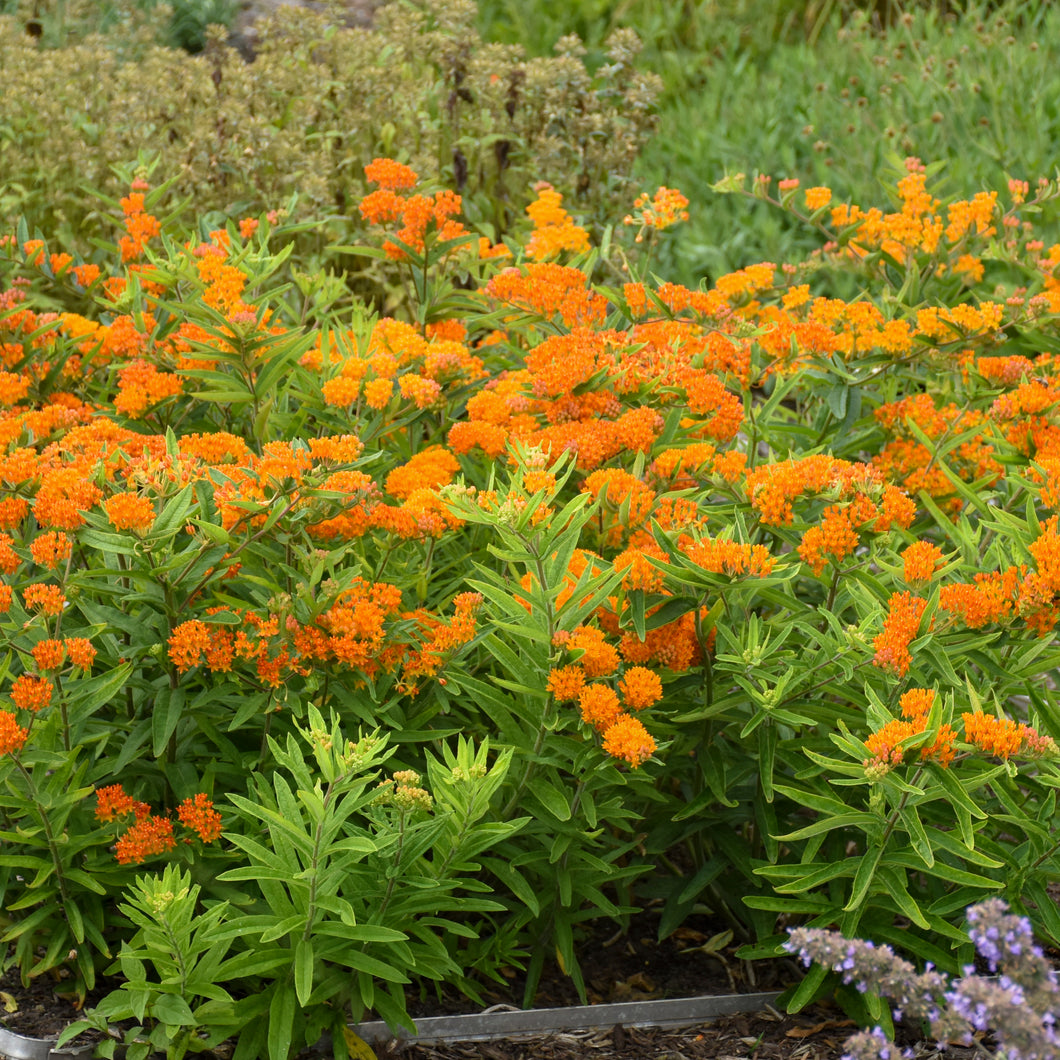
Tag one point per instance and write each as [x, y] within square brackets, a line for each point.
[397, 866]
[311, 911]
[63, 712]
[892, 821]
[53, 846]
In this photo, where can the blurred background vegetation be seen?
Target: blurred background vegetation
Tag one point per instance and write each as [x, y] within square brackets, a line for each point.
[832, 92]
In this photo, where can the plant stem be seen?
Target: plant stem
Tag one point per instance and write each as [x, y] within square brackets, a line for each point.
[53, 846]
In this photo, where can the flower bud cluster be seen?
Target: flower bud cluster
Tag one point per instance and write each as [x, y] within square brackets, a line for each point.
[1019, 1008]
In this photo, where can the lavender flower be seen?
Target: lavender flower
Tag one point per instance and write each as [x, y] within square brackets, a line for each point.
[1020, 1008]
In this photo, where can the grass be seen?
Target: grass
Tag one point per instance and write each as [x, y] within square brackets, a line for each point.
[822, 92]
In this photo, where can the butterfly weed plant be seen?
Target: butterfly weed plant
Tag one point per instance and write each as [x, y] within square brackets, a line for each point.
[398, 648]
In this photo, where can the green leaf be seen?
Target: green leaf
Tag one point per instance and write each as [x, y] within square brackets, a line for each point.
[172, 1010]
[808, 989]
[864, 878]
[281, 1022]
[551, 798]
[910, 820]
[165, 717]
[303, 970]
[864, 821]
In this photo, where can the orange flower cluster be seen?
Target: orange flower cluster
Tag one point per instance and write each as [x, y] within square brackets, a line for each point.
[997, 597]
[908, 462]
[548, 290]
[130, 511]
[419, 214]
[198, 815]
[141, 386]
[919, 225]
[662, 210]
[866, 503]
[113, 803]
[146, 838]
[150, 835]
[47, 599]
[439, 639]
[640, 573]
[48, 654]
[31, 692]
[885, 744]
[720, 555]
[140, 226]
[698, 463]
[355, 633]
[12, 736]
[625, 506]
[640, 687]
[422, 369]
[901, 626]
[428, 469]
[1004, 738]
[920, 561]
[51, 548]
[624, 737]
[554, 229]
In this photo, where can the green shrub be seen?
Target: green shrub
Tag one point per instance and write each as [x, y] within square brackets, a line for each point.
[295, 126]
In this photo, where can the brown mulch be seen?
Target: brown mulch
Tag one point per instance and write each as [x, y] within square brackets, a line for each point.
[46, 1006]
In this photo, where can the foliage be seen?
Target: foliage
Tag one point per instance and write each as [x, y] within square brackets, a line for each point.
[294, 128]
[740, 599]
[127, 26]
[835, 93]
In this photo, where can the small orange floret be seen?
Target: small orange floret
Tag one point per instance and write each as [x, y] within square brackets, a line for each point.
[146, 838]
[198, 814]
[629, 740]
[12, 735]
[390, 175]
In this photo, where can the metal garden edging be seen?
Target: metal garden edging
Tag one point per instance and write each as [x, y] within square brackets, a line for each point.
[508, 1023]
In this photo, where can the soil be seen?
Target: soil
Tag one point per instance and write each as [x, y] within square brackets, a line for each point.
[45, 1007]
[633, 965]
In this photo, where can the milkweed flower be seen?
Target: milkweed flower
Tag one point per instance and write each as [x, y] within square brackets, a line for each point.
[112, 804]
[900, 629]
[198, 814]
[600, 706]
[920, 561]
[130, 511]
[146, 838]
[817, 198]
[598, 659]
[12, 735]
[629, 740]
[51, 548]
[48, 654]
[30, 692]
[390, 175]
[640, 687]
[566, 683]
[187, 644]
[1003, 737]
[661, 210]
[46, 599]
[80, 652]
[917, 702]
